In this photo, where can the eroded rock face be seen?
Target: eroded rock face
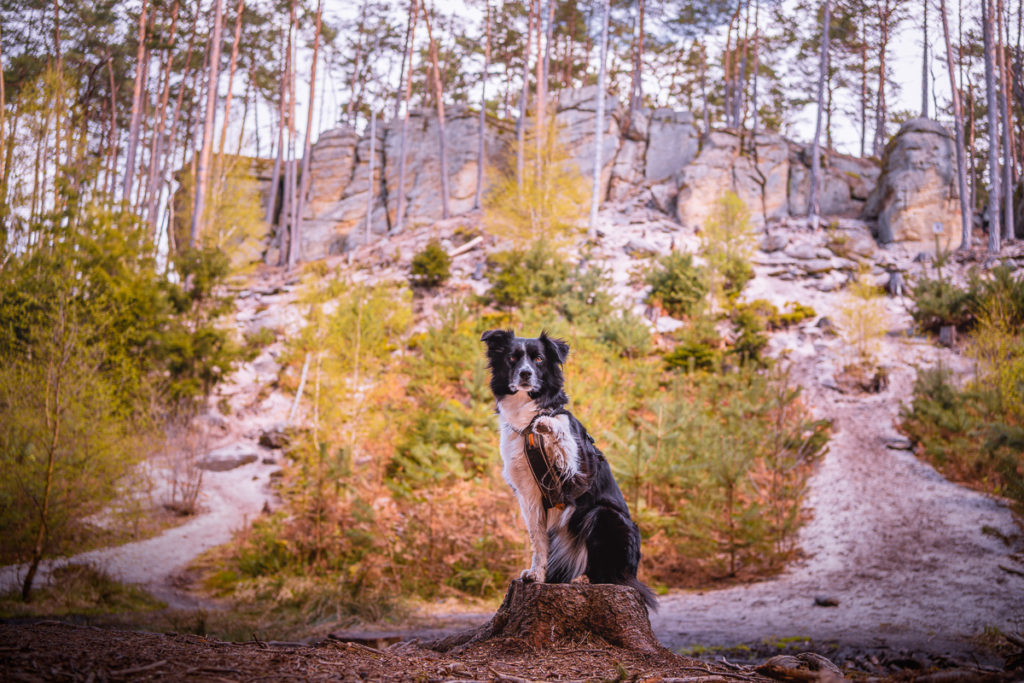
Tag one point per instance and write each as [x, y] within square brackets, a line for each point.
[576, 113]
[758, 173]
[672, 143]
[846, 183]
[917, 187]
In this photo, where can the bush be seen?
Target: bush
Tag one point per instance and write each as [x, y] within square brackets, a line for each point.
[938, 303]
[677, 285]
[527, 276]
[431, 267]
[727, 242]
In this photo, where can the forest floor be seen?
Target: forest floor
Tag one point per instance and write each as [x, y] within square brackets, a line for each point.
[916, 568]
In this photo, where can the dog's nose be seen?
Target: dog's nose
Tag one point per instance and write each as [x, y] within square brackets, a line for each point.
[524, 375]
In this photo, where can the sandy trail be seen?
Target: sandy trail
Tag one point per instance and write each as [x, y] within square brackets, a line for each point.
[900, 547]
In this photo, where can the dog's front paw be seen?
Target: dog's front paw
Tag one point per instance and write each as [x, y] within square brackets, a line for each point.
[582, 578]
[545, 425]
[533, 575]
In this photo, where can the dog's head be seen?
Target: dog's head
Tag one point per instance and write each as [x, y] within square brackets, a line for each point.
[524, 364]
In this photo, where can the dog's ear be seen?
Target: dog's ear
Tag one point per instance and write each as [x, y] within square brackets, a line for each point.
[495, 338]
[557, 347]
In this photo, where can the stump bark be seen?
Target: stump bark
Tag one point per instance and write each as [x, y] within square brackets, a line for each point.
[543, 614]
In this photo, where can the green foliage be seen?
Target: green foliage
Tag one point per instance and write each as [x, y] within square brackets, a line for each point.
[975, 432]
[431, 267]
[677, 285]
[98, 349]
[547, 203]
[862, 320]
[527, 276]
[938, 302]
[727, 243]
[79, 590]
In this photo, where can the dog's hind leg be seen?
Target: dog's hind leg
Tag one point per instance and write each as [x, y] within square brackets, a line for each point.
[613, 546]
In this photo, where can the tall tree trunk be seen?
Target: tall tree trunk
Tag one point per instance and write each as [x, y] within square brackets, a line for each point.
[401, 69]
[523, 103]
[757, 60]
[307, 143]
[293, 162]
[400, 209]
[480, 151]
[369, 179]
[232, 65]
[157, 148]
[5, 142]
[595, 194]
[924, 61]
[439, 97]
[991, 105]
[812, 200]
[636, 79]
[542, 94]
[881, 113]
[549, 30]
[133, 128]
[275, 176]
[863, 87]
[958, 120]
[1004, 108]
[202, 171]
[352, 108]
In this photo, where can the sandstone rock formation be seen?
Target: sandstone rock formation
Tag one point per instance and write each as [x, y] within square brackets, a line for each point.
[654, 156]
[757, 171]
[917, 188]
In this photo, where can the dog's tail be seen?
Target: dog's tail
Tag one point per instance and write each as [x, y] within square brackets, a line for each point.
[645, 593]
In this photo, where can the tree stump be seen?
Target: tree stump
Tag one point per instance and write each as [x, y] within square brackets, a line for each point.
[542, 614]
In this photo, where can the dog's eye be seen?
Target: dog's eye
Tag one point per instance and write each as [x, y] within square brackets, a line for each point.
[538, 359]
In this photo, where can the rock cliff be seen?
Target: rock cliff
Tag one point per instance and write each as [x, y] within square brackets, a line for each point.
[657, 157]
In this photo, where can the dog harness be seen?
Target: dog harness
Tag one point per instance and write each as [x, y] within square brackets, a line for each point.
[547, 476]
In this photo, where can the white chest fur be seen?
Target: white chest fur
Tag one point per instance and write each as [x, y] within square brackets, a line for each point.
[514, 415]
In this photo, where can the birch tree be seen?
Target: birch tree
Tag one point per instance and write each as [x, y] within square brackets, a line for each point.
[133, 127]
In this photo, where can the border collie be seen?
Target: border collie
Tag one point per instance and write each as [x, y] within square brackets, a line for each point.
[576, 517]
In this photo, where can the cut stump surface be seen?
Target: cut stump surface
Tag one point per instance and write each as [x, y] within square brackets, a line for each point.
[543, 614]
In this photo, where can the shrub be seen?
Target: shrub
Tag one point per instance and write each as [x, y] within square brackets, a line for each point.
[521, 276]
[727, 243]
[938, 303]
[431, 267]
[677, 285]
[862, 320]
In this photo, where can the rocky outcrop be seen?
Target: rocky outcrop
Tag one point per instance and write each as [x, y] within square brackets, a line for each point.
[757, 171]
[917, 188]
[846, 183]
[576, 112]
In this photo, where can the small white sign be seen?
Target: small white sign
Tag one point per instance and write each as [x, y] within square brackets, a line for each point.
[937, 228]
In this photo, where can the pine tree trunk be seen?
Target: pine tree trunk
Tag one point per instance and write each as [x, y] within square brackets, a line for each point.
[480, 152]
[881, 114]
[924, 62]
[958, 120]
[812, 201]
[307, 144]
[757, 61]
[1004, 108]
[202, 171]
[294, 245]
[133, 128]
[439, 96]
[595, 194]
[543, 615]
[991, 105]
[704, 88]
[369, 179]
[636, 84]
[232, 66]
[400, 189]
[275, 176]
[152, 191]
[523, 103]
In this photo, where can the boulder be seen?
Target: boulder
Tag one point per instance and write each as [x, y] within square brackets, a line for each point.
[575, 116]
[672, 143]
[758, 173]
[917, 188]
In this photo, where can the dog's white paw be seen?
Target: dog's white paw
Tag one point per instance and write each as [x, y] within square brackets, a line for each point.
[545, 425]
[533, 574]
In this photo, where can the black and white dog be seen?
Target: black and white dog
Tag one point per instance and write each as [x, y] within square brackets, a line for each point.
[580, 528]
